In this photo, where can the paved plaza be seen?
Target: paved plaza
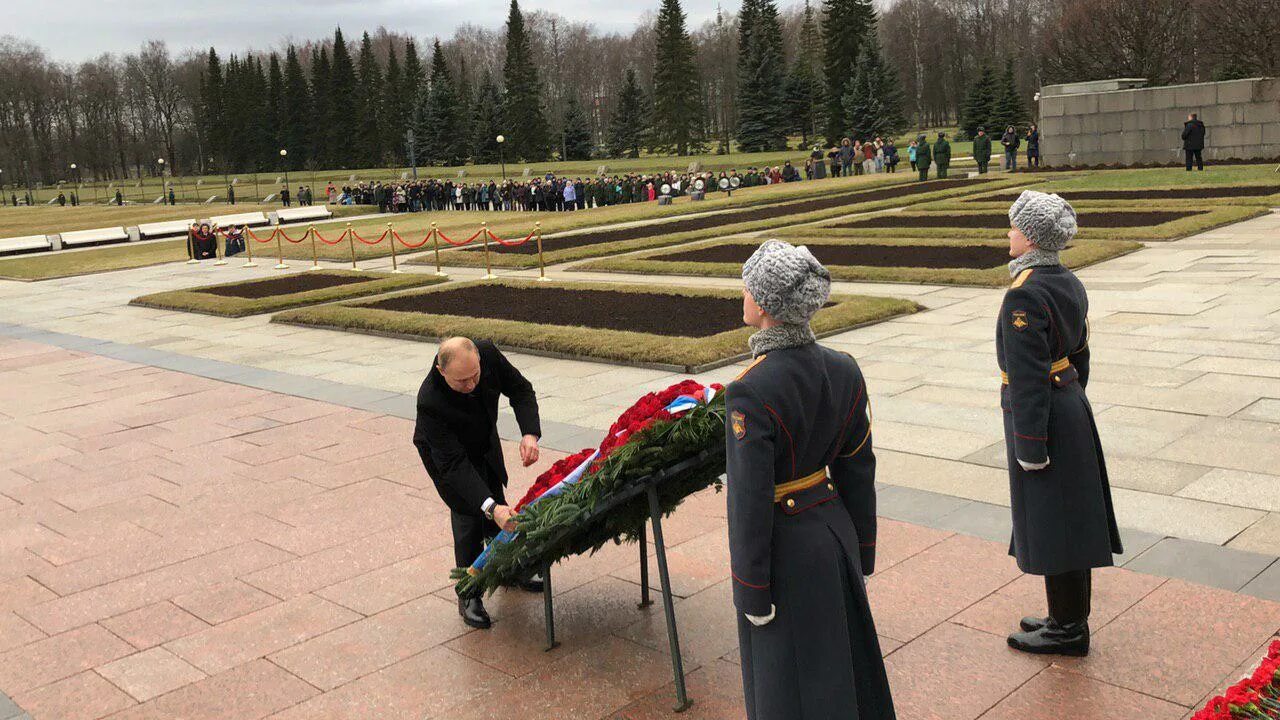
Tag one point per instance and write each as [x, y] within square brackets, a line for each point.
[205, 517]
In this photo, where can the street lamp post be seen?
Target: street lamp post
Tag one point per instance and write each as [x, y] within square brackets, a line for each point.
[284, 154]
[502, 160]
[164, 186]
[75, 199]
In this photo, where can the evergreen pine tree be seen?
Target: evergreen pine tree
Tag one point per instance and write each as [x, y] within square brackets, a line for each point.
[804, 88]
[369, 133]
[263, 153]
[212, 110]
[345, 106]
[488, 121]
[443, 138]
[845, 24]
[676, 102]
[979, 102]
[1009, 108]
[873, 102]
[322, 152]
[528, 137]
[626, 133]
[415, 90]
[395, 110]
[298, 124]
[763, 113]
[466, 109]
[577, 131]
[275, 108]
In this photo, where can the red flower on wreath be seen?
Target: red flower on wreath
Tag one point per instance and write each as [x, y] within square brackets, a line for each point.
[646, 411]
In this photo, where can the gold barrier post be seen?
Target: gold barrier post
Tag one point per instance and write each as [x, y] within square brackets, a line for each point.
[484, 237]
[315, 260]
[542, 266]
[248, 246]
[280, 250]
[220, 249]
[392, 239]
[435, 241]
[351, 241]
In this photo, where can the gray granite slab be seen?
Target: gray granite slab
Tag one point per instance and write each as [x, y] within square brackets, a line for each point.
[1201, 563]
[1266, 585]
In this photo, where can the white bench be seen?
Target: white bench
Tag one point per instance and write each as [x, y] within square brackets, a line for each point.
[94, 237]
[26, 243]
[249, 218]
[164, 229]
[302, 214]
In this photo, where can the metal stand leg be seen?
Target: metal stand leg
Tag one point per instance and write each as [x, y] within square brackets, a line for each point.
[547, 610]
[645, 601]
[673, 638]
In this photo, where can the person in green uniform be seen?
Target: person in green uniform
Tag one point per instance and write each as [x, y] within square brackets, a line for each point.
[982, 150]
[924, 156]
[942, 155]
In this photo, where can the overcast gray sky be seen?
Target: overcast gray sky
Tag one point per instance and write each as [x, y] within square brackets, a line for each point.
[74, 30]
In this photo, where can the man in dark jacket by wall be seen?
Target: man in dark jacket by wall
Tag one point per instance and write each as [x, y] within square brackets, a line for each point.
[982, 150]
[457, 438]
[1193, 141]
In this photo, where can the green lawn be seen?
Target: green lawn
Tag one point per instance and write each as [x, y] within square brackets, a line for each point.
[688, 353]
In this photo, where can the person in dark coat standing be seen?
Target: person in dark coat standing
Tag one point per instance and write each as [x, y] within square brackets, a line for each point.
[942, 155]
[1010, 141]
[1064, 524]
[924, 157]
[982, 150]
[457, 438]
[1193, 141]
[1033, 146]
[801, 506]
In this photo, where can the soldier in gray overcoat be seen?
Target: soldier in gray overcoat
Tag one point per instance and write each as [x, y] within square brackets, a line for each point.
[802, 506]
[1063, 521]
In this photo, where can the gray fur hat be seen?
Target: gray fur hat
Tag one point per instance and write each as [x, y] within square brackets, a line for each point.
[1046, 219]
[787, 281]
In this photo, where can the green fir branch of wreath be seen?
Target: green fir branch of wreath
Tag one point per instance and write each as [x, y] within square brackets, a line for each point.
[554, 528]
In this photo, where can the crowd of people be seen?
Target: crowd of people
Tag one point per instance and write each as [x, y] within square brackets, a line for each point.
[854, 157]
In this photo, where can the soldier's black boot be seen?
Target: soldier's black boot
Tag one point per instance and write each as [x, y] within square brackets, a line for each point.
[473, 613]
[1032, 624]
[1054, 639]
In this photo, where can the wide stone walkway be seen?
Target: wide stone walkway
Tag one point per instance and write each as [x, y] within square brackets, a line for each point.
[173, 546]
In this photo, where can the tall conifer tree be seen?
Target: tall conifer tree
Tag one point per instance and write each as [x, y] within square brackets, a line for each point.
[443, 136]
[762, 114]
[804, 85]
[488, 121]
[275, 108]
[395, 109]
[345, 106]
[979, 102]
[369, 133]
[845, 24]
[873, 102]
[1008, 108]
[626, 132]
[528, 137]
[677, 104]
[577, 131]
[212, 109]
[298, 125]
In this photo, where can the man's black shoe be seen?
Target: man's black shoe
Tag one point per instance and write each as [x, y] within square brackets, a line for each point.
[1032, 624]
[473, 613]
[1054, 639]
[533, 584]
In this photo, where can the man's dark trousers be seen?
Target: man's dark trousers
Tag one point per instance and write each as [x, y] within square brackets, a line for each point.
[1194, 154]
[471, 532]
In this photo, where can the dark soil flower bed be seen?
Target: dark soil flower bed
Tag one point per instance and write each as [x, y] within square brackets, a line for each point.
[734, 217]
[287, 285]
[869, 255]
[1096, 219]
[1192, 193]
[252, 297]
[690, 329]
[654, 313]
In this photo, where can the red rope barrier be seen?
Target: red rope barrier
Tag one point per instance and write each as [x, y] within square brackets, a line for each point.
[285, 235]
[396, 235]
[270, 237]
[512, 243]
[458, 244]
[366, 242]
[341, 237]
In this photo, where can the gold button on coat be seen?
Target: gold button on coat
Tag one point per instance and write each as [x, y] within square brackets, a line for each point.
[830, 486]
[791, 502]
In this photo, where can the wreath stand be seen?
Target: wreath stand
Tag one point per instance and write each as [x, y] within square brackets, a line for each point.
[647, 486]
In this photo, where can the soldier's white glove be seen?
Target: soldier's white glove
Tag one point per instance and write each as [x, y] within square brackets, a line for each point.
[762, 620]
[1034, 466]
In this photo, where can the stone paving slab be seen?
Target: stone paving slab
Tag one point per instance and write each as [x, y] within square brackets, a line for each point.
[252, 578]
